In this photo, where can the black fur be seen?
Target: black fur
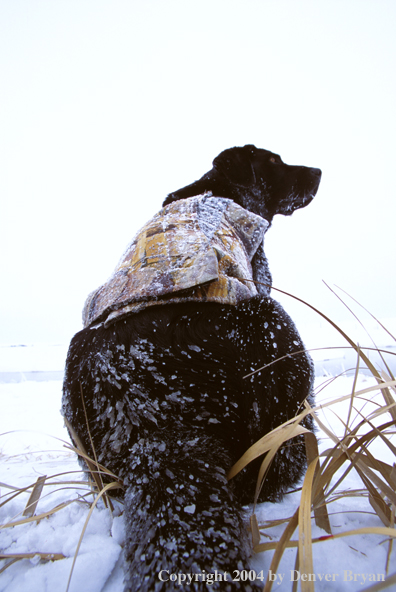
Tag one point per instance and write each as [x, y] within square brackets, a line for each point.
[257, 180]
[170, 412]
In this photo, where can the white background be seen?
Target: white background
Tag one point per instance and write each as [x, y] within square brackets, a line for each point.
[107, 106]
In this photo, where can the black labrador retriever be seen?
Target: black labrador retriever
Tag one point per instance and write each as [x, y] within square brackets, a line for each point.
[161, 362]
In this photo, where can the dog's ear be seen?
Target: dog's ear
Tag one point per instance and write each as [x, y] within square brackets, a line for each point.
[236, 165]
[205, 183]
[232, 169]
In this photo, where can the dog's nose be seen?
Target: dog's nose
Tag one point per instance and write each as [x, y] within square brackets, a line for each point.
[317, 172]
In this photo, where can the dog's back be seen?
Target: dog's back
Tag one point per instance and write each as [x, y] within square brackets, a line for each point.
[171, 413]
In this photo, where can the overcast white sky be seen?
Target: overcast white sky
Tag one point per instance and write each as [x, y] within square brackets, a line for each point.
[107, 106]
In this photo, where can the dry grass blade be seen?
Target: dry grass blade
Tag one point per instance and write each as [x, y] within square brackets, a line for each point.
[350, 451]
[355, 449]
[84, 486]
[18, 491]
[37, 517]
[393, 477]
[44, 556]
[80, 450]
[358, 320]
[387, 489]
[267, 442]
[386, 394]
[379, 433]
[319, 504]
[359, 394]
[277, 439]
[31, 506]
[29, 512]
[95, 469]
[381, 508]
[374, 530]
[345, 452]
[279, 549]
[371, 314]
[382, 467]
[6, 486]
[99, 481]
[97, 477]
[273, 439]
[316, 349]
[277, 360]
[296, 569]
[34, 497]
[387, 377]
[8, 565]
[254, 528]
[101, 494]
[14, 557]
[390, 581]
[304, 526]
[351, 406]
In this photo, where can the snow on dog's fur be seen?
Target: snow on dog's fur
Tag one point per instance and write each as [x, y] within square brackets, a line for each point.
[161, 363]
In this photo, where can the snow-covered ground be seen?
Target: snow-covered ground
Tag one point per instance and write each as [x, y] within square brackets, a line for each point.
[32, 439]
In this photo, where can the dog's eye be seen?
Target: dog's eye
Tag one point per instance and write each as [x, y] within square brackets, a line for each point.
[272, 159]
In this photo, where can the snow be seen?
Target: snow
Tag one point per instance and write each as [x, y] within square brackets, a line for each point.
[32, 438]
[39, 361]
[32, 444]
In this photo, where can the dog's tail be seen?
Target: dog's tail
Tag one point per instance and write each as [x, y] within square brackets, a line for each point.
[184, 529]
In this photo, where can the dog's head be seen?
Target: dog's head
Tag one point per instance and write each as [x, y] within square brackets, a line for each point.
[257, 180]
